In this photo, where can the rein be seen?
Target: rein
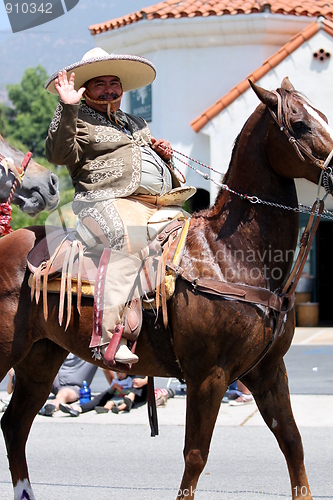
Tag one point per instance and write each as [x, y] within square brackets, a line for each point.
[5, 208]
[253, 199]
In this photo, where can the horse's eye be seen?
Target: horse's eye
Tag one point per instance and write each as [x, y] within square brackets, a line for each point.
[299, 126]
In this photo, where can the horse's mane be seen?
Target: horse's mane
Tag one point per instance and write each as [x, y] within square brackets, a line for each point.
[286, 104]
[286, 113]
[225, 177]
[204, 217]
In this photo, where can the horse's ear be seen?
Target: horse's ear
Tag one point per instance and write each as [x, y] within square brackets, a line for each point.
[287, 85]
[267, 97]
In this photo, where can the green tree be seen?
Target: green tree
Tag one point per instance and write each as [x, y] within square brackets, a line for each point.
[3, 121]
[24, 124]
[32, 111]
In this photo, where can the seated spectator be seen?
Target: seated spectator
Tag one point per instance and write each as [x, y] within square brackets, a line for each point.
[10, 388]
[11, 381]
[137, 394]
[245, 397]
[133, 389]
[66, 385]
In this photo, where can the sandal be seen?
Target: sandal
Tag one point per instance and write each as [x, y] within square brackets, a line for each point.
[47, 410]
[244, 399]
[101, 409]
[129, 403]
[68, 409]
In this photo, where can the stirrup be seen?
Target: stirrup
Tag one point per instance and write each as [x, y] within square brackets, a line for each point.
[110, 357]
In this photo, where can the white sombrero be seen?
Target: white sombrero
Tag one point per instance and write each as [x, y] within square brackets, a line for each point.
[134, 72]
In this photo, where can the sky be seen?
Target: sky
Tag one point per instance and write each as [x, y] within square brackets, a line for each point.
[117, 7]
[56, 43]
[4, 22]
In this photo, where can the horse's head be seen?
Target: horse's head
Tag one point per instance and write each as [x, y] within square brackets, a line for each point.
[310, 148]
[39, 189]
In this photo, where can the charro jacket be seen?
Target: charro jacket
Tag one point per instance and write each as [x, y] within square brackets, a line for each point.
[103, 161]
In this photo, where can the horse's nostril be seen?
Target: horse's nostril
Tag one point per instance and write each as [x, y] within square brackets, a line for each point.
[54, 182]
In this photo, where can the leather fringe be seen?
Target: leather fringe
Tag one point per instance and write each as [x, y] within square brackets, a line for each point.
[40, 280]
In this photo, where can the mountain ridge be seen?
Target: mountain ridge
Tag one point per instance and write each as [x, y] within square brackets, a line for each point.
[58, 43]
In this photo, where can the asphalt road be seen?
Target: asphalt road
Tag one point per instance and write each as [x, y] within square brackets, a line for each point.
[80, 460]
[98, 457]
[309, 367]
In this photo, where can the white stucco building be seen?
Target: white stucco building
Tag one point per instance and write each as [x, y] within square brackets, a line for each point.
[204, 52]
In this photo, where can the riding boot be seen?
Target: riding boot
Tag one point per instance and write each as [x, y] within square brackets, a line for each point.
[124, 355]
[117, 350]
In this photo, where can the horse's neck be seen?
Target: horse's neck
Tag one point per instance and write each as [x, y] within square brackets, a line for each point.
[251, 173]
[251, 167]
[257, 234]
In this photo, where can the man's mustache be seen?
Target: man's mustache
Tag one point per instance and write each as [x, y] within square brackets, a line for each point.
[108, 97]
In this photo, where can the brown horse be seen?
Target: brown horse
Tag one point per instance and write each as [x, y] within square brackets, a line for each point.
[236, 240]
[39, 189]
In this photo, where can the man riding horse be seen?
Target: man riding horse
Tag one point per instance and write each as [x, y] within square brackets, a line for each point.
[119, 172]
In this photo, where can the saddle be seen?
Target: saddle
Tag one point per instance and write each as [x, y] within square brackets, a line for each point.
[61, 264]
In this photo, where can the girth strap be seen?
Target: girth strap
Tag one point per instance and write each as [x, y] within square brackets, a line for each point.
[236, 291]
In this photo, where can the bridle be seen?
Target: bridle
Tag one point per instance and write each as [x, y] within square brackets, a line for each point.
[299, 148]
[318, 206]
[5, 208]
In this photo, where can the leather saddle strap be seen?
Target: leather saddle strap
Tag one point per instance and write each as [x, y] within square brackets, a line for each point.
[111, 349]
[245, 293]
[79, 276]
[306, 242]
[151, 405]
[236, 291]
[160, 283]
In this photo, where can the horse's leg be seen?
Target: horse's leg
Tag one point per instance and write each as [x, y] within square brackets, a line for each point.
[33, 382]
[271, 393]
[203, 400]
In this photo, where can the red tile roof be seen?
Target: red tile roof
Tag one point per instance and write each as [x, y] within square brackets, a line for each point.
[198, 123]
[175, 9]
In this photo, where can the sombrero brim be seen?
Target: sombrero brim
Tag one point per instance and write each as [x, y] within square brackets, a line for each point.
[134, 72]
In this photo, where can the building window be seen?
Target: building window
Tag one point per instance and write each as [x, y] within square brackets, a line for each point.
[141, 103]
